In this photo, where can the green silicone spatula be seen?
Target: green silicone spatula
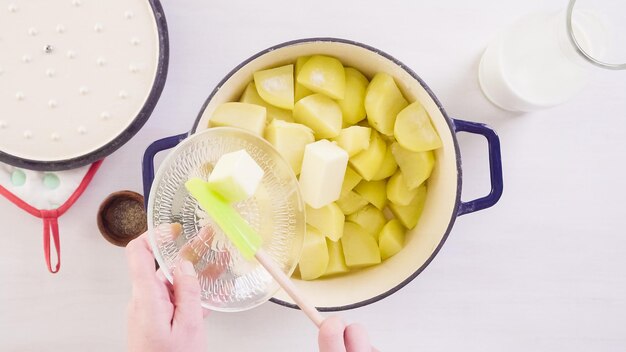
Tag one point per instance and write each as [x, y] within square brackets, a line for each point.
[247, 241]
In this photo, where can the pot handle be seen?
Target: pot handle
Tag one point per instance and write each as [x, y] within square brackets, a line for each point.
[147, 164]
[495, 166]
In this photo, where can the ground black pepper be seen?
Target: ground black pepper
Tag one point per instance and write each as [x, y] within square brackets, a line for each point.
[125, 218]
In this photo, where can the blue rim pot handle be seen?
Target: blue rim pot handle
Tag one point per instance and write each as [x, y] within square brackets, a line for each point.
[495, 166]
[148, 160]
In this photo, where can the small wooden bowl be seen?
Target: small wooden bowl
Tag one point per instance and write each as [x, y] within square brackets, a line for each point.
[122, 217]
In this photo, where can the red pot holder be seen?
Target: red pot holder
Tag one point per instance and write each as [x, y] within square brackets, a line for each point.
[50, 217]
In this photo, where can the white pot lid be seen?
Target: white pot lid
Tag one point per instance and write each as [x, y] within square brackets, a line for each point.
[78, 78]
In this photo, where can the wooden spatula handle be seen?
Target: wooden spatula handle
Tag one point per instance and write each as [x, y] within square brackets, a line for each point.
[305, 305]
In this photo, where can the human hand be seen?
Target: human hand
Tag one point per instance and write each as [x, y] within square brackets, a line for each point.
[335, 336]
[163, 317]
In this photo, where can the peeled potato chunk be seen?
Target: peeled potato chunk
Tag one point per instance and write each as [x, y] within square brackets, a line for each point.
[289, 139]
[351, 202]
[410, 214]
[359, 248]
[350, 179]
[388, 167]
[416, 166]
[320, 113]
[368, 162]
[275, 86]
[383, 102]
[314, 259]
[336, 260]
[414, 130]
[374, 192]
[324, 74]
[329, 220]
[370, 218]
[353, 103]
[354, 139]
[251, 96]
[300, 90]
[240, 115]
[397, 190]
[391, 239]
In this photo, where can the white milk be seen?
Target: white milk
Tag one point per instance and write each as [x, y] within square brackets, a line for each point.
[533, 65]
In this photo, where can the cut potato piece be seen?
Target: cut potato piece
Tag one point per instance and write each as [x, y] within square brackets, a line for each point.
[275, 86]
[383, 102]
[368, 162]
[397, 190]
[359, 248]
[414, 130]
[314, 258]
[320, 113]
[336, 260]
[300, 90]
[251, 96]
[289, 139]
[249, 117]
[410, 214]
[351, 202]
[391, 239]
[388, 167]
[374, 192]
[416, 166]
[353, 104]
[350, 180]
[369, 218]
[329, 220]
[324, 74]
[354, 139]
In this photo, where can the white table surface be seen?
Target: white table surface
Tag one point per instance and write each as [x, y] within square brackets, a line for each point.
[544, 270]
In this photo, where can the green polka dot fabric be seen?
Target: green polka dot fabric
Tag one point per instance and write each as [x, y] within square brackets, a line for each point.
[51, 181]
[18, 177]
[42, 190]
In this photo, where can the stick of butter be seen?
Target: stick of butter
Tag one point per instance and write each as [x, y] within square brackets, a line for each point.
[323, 168]
[236, 176]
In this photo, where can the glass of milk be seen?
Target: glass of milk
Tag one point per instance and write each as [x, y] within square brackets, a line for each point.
[544, 59]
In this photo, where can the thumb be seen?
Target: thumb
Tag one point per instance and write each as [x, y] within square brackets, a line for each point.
[330, 338]
[356, 339]
[188, 311]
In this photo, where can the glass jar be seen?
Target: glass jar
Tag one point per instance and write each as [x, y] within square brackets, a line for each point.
[544, 59]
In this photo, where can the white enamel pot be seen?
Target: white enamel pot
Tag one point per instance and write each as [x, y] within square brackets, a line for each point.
[443, 204]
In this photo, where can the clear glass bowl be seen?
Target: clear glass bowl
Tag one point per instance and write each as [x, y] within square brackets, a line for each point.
[276, 211]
